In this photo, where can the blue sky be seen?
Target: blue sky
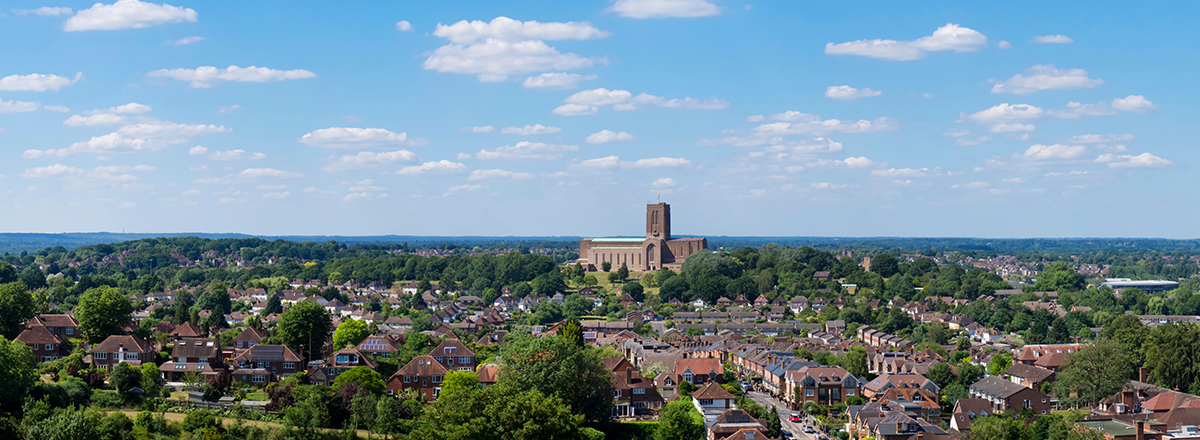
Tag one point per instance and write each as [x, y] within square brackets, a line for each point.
[565, 118]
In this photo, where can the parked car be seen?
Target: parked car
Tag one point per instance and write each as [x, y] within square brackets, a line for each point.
[809, 429]
[794, 417]
[785, 434]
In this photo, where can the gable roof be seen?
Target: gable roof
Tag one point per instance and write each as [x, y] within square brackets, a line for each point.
[460, 349]
[196, 347]
[421, 366]
[711, 391]
[268, 353]
[37, 334]
[115, 343]
[250, 334]
[995, 386]
[1029, 372]
[699, 365]
[187, 330]
[55, 320]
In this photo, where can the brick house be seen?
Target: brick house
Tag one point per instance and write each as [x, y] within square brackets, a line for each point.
[454, 355]
[45, 345]
[340, 362]
[200, 355]
[823, 385]
[65, 327]
[880, 385]
[186, 330]
[266, 363]
[423, 373]
[248, 338]
[121, 348]
[380, 345]
[633, 394]
[699, 371]
[1029, 376]
[1005, 395]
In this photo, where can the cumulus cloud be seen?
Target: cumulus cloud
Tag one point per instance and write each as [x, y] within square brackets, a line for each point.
[664, 182]
[530, 130]
[602, 162]
[615, 162]
[57, 108]
[479, 129]
[1143, 160]
[498, 174]
[115, 176]
[1133, 103]
[1100, 138]
[504, 46]
[45, 11]
[462, 188]
[36, 82]
[352, 138]
[369, 159]
[187, 40]
[207, 76]
[1052, 39]
[1075, 110]
[127, 14]
[905, 172]
[109, 143]
[526, 150]
[588, 101]
[198, 151]
[1052, 152]
[1008, 128]
[404, 26]
[948, 37]
[796, 123]
[1004, 112]
[1046, 77]
[849, 162]
[971, 185]
[1004, 45]
[606, 136]
[169, 130]
[556, 80]
[228, 109]
[848, 93]
[827, 185]
[94, 120]
[965, 142]
[236, 155]
[129, 108]
[277, 195]
[643, 9]
[256, 173]
[442, 166]
[956, 132]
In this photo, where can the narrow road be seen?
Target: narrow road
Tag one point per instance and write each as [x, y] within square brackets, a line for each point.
[796, 428]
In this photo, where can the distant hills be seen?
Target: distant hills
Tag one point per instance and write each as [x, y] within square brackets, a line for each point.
[18, 242]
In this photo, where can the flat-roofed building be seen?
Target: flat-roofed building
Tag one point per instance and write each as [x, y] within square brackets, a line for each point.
[657, 250]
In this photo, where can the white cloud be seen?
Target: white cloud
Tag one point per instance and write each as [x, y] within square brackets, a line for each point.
[369, 159]
[277, 195]
[605, 136]
[94, 120]
[478, 129]
[587, 101]
[972, 185]
[956, 132]
[556, 80]
[927, 95]
[805, 124]
[1046, 77]
[1130, 161]
[56, 170]
[1052, 39]
[1004, 112]
[1020, 137]
[642, 9]
[132, 107]
[664, 182]
[849, 162]
[404, 26]
[433, 167]
[657, 162]
[1070, 174]
[109, 143]
[964, 142]
[1075, 110]
[1052, 152]
[1100, 138]
[1133, 103]
[1004, 45]
[366, 185]
[905, 172]
[198, 151]
[351, 138]
[127, 14]
[948, 37]
[508, 47]
[526, 150]
[602, 162]
[459, 188]
[187, 40]
[44, 11]
[827, 185]
[1014, 180]
[530, 130]
[206, 76]
[802, 149]
[237, 155]
[190, 192]
[270, 187]
[36, 82]
[122, 168]
[755, 118]
[230, 200]
[77, 178]
[1008, 128]
[255, 173]
[498, 174]
[57, 108]
[848, 93]
[17, 106]
[169, 130]
[228, 109]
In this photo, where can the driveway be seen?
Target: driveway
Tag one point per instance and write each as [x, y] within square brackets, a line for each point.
[797, 429]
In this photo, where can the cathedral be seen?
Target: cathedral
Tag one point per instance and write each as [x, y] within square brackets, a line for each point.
[656, 251]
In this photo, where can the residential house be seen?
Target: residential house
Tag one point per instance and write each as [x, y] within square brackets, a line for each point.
[798, 304]
[1029, 376]
[45, 345]
[966, 410]
[824, 385]
[200, 355]
[266, 363]
[423, 373]
[1004, 395]
[379, 345]
[339, 362]
[121, 348]
[878, 386]
[633, 394]
[699, 371]
[64, 327]
[736, 421]
[712, 401]
[186, 330]
[454, 355]
[920, 401]
[248, 338]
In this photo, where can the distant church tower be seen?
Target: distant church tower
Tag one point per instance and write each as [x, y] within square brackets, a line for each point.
[658, 221]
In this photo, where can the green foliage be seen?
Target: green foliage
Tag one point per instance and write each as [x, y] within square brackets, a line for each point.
[17, 304]
[304, 328]
[999, 363]
[103, 311]
[18, 372]
[677, 422]
[364, 376]
[572, 331]
[458, 380]
[124, 377]
[1171, 353]
[67, 424]
[606, 266]
[559, 367]
[885, 265]
[635, 290]
[350, 333]
[623, 272]
[499, 412]
[1094, 372]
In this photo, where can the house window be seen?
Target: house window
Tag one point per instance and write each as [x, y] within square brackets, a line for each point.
[808, 392]
[70, 331]
[450, 350]
[616, 393]
[406, 379]
[706, 401]
[1027, 404]
[49, 346]
[464, 360]
[101, 355]
[850, 392]
[289, 365]
[200, 367]
[639, 391]
[390, 392]
[203, 359]
[437, 379]
[180, 367]
[1043, 400]
[259, 378]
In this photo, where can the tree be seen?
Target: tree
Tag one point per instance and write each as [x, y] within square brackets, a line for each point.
[365, 377]
[613, 278]
[559, 367]
[274, 305]
[623, 272]
[941, 374]
[151, 379]
[676, 423]
[1171, 353]
[635, 290]
[458, 380]
[1094, 372]
[999, 363]
[17, 304]
[572, 331]
[103, 311]
[590, 281]
[349, 333]
[498, 412]
[18, 373]
[856, 361]
[304, 328]
[885, 265]
[774, 424]
[68, 424]
[606, 266]
[124, 377]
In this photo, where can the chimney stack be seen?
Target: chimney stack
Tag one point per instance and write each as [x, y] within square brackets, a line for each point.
[1141, 430]
[1143, 374]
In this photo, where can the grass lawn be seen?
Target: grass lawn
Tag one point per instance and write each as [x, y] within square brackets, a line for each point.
[610, 288]
[178, 418]
[257, 396]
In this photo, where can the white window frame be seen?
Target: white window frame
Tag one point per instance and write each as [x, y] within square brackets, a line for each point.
[101, 355]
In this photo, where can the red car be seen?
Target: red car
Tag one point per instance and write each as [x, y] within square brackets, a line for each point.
[795, 417]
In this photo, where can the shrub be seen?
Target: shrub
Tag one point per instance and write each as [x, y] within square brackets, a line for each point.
[107, 399]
